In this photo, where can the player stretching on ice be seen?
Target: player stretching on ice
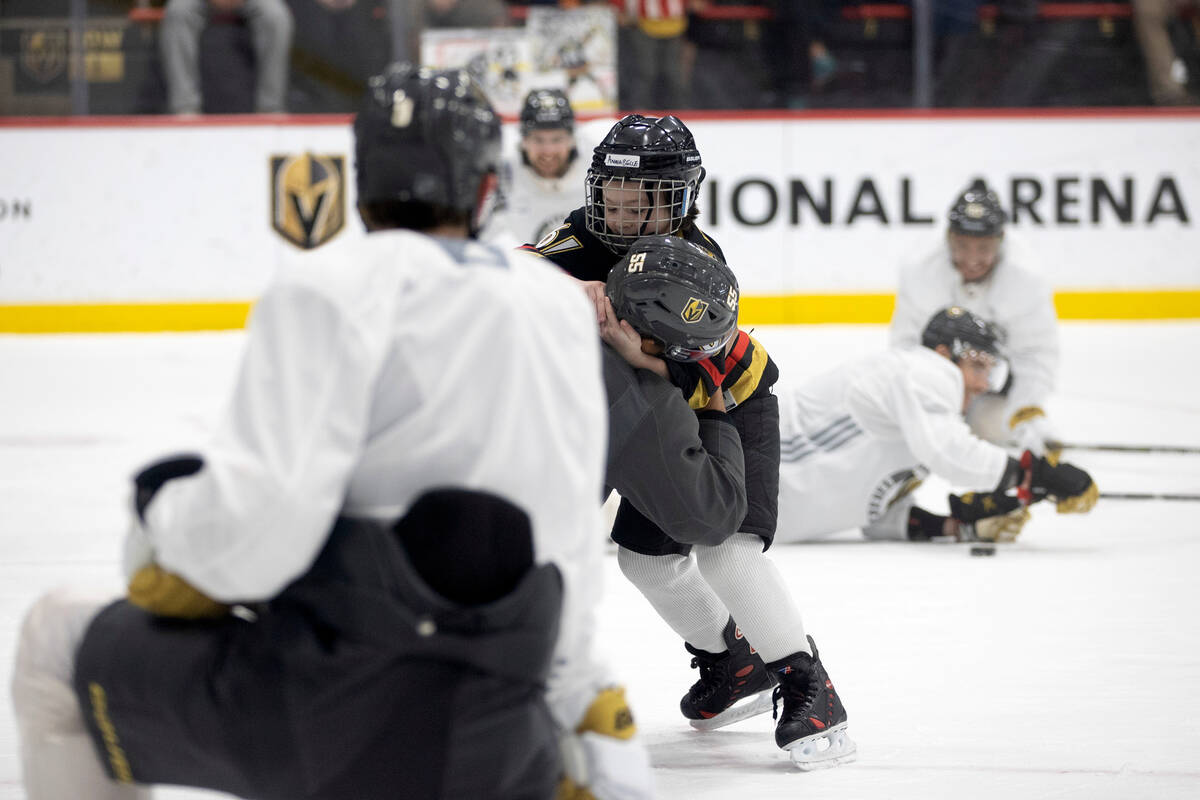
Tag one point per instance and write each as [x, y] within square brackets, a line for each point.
[857, 440]
[972, 270]
[377, 581]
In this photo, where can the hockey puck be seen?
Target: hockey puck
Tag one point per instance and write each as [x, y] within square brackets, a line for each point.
[983, 550]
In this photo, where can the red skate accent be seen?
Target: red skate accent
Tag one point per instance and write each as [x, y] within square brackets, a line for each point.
[817, 723]
[744, 671]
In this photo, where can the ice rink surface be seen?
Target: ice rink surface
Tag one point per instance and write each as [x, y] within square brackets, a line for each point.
[1067, 666]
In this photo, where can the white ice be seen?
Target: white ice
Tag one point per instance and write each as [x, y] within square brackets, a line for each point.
[1067, 666]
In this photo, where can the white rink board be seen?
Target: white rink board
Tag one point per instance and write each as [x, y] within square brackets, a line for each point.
[161, 212]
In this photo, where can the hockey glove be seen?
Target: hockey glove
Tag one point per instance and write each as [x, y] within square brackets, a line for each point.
[988, 517]
[602, 759]
[1072, 489]
[151, 587]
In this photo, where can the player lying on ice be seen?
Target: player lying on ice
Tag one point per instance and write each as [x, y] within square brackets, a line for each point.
[377, 581]
[858, 439]
[671, 314]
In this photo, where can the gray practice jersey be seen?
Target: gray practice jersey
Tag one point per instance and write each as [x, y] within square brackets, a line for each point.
[684, 471]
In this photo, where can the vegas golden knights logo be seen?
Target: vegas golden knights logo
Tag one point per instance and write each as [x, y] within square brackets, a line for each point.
[44, 54]
[694, 310]
[308, 198]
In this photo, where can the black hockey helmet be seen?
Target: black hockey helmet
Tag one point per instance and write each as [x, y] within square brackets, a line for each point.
[677, 293]
[977, 212]
[962, 332]
[547, 109]
[429, 137]
[654, 157]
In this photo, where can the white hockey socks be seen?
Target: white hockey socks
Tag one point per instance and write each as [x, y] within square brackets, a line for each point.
[58, 759]
[749, 585]
[679, 594]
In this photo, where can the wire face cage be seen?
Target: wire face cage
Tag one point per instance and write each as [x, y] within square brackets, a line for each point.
[620, 210]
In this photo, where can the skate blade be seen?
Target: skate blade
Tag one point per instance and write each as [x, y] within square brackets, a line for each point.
[745, 708]
[823, 750]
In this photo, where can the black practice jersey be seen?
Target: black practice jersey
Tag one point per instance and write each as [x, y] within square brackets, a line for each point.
[585, 257]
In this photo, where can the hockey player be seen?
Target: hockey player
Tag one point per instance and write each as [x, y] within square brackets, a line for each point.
[376, 581]
[644, 179]
[672, 304]
[972, 270]
[857, 440]
[541, 186]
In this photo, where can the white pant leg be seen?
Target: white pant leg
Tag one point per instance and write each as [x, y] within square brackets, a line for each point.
[893, 524]
[58, 759]
[749, 584]
[679, 594]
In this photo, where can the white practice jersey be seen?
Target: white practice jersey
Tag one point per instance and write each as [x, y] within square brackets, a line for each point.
[533, 205]
[410, 363]
[856, 438]
[1012, 297]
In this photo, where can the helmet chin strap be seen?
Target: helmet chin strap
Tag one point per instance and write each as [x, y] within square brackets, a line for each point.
[484, 202]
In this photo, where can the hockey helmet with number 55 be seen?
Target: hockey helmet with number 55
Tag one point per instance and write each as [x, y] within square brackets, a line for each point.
[677, 293]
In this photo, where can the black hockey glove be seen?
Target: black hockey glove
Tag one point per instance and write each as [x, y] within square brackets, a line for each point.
[974, 506]
[988, 516]
[1072, 489]
[150, 587]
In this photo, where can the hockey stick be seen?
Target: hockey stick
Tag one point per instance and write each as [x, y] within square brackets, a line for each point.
[1148, 496]
[1127, 448]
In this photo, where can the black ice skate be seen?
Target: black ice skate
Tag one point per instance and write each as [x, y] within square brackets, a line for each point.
[812, 726]
[733, 685]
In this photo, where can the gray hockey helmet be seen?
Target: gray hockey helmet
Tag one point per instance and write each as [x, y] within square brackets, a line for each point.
[677, 293]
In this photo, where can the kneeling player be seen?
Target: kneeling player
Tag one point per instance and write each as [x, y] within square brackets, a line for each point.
[376, 581]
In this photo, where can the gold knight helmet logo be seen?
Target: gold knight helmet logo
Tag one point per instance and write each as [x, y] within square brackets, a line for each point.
[308, 198]
[694, 310]
[44, 54]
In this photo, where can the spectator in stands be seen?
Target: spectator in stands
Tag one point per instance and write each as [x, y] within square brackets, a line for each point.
[651, 43]
[799, 62]
[271, 26]
[1165, 71]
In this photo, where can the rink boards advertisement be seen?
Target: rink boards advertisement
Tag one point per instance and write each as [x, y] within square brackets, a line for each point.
[129, 224]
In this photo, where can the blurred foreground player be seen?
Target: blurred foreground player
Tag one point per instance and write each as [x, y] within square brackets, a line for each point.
[857, 440]
[973, 270]
[673, 302]
[377, 581]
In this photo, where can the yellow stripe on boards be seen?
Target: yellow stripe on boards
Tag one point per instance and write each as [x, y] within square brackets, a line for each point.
[1128, 304]
[124, 317]
[797, 309]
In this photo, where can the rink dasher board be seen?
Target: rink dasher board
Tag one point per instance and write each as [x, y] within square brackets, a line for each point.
[130, 223]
